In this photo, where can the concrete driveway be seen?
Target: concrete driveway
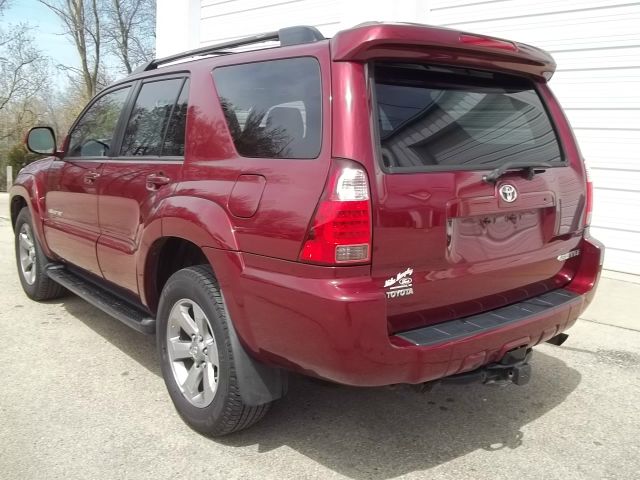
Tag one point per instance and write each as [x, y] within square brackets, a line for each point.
[82, 397]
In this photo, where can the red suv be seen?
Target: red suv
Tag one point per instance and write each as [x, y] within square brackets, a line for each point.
[396, 205]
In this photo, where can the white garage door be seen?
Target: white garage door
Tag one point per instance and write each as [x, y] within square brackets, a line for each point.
[596, 44]
[222, 20]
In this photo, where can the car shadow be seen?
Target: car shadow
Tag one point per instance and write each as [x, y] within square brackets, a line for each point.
[378, 433]
[140, 347]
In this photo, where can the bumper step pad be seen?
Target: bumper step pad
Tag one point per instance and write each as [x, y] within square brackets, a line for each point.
[466, 327]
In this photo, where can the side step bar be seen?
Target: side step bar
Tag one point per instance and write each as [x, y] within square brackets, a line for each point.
[102, 299]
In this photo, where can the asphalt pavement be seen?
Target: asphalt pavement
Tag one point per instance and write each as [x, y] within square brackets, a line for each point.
[82, 398]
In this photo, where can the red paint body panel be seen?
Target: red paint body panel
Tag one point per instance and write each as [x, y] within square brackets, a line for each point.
[126, 204]
[250, 217]
[71, 225]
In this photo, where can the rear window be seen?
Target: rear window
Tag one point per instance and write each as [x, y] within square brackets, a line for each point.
[438, 118]
[273, 108]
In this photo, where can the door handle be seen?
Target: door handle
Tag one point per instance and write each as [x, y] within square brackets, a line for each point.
[156, 180]
[91, 177]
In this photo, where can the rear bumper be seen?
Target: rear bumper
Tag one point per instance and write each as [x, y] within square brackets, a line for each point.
[336, 328]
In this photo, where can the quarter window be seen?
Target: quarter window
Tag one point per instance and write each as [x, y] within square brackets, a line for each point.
[156, 125]
[273, 108]
[174, 138]
[93, 133]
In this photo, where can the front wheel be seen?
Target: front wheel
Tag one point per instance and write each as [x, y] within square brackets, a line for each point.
[31, 261]
[196, 356]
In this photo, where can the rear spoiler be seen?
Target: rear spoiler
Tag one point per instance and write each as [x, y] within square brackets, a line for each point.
[424, 43]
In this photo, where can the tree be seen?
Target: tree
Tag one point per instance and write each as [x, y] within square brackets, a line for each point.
[18, 156]
[23, 68]
[130, 30]
[23, 74]
[81, 19]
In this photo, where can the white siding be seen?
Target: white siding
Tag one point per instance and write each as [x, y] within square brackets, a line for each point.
[596, 44]
[223, 19]
[228, 19]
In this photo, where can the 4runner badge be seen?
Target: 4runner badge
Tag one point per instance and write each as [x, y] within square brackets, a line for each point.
[401, 285]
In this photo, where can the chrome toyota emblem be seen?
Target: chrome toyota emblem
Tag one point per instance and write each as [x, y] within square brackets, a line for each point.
[508, 193]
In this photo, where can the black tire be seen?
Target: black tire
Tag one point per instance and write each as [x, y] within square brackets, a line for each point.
[226, 413]
[42, 288]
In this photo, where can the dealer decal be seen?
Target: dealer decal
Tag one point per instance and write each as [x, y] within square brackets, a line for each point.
[401, 285]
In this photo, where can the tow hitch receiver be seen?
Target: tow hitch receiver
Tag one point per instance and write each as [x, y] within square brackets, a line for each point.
[513, 368]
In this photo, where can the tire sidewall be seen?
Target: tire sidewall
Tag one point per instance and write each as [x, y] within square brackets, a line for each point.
[184, 284]
[31, 290]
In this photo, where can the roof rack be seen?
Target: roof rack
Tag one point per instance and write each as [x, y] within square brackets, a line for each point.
[286, 36]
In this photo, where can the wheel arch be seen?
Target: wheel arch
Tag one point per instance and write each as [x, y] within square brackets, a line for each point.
[166, 256]
[180, 229]
[27, 193]
[16, 204]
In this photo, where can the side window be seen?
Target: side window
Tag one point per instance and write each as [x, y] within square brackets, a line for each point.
[274, 108]
[174, 138]
[154, 113]
[92, 135]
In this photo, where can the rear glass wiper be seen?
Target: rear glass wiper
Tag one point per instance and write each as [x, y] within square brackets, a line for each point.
[530, 167]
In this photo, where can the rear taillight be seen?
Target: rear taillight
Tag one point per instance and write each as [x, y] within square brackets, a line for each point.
[589, 199]
[340, 231]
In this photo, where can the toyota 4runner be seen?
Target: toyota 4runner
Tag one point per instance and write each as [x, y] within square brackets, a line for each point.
[399, 204]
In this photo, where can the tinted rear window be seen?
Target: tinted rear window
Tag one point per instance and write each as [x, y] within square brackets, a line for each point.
[435, 118]
[152, 129]
[273, 108]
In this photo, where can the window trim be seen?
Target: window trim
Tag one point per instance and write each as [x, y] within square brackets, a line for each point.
[116, 131]
[322, 106]
[138, 84]
[377, 139]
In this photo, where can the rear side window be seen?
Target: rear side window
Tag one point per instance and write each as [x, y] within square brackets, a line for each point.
[174, 138]
[435, 118]
[273, 108]
[156, 125]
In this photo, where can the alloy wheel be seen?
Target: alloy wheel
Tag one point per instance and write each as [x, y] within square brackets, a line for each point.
[27, 253]
[193, 352]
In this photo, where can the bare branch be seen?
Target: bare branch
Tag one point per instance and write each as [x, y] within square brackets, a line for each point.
[130, 30]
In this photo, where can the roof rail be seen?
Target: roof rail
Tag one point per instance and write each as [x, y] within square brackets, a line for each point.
[286, 36]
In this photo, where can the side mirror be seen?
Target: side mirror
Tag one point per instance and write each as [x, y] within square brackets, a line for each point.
[42, 140]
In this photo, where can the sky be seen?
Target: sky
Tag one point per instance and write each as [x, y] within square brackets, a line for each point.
[46, 29]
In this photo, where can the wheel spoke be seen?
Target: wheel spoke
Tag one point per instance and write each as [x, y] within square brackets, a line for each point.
[201, 321]
[25, 243]
[212, 352]
[186, 322]
[191, 383]
[178, 349]
[209, 383]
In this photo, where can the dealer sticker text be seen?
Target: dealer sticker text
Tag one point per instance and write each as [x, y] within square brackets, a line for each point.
[401, 285]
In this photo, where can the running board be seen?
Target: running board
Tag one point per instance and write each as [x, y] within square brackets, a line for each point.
[102, 299]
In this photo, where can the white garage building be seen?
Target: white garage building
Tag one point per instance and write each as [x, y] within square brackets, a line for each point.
[596, 44]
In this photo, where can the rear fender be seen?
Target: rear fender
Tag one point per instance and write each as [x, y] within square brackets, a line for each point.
[199, 221]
